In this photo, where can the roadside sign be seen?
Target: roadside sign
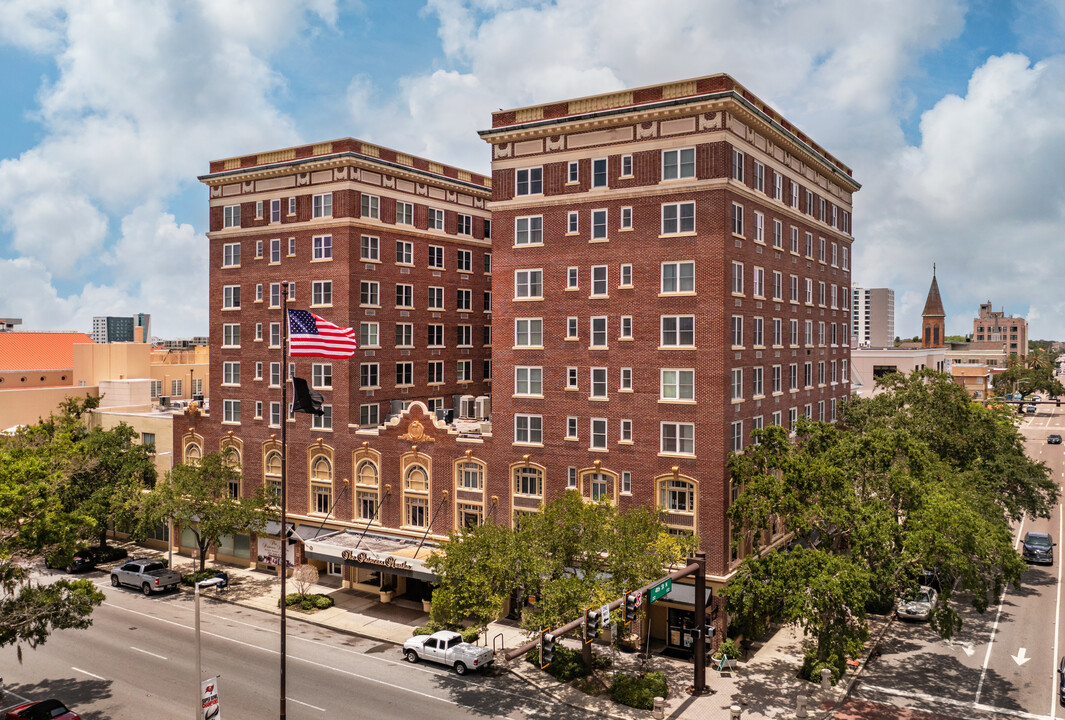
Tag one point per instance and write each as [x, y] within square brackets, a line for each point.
[639, 599]
[659, 590]
[604, 612]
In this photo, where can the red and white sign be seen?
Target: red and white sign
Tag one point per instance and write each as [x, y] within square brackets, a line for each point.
[209, 699]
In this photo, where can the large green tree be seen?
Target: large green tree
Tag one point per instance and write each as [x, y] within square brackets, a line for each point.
[1034, 374]
[199, 497]
[571, 555]
[918, 478]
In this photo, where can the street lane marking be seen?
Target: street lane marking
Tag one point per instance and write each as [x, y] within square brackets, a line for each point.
[86, 672]
[994, 627]
[146, 652]
[951, 701]
[1019, 658]
[313, 707]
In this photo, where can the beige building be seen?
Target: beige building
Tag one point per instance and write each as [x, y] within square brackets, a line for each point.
[870, 364]
[974, 378]
[872, 317]
[997, 331]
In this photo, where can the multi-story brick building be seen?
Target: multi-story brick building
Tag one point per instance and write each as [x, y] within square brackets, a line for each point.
[673, 272]
[397, 247]
[995, 331]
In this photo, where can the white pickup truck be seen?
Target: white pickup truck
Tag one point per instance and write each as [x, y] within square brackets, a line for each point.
[446, 647]
[148, 575]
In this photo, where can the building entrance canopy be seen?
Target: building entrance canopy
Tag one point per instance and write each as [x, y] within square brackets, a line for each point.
[370, 551]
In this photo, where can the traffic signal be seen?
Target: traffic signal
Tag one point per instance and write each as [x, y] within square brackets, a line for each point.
[593, 623]
[547, 648]
[630, 607]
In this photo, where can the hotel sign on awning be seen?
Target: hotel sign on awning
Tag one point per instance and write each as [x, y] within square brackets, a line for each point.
[388, 561]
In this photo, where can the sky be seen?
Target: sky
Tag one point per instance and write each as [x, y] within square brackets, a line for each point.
[948, 112]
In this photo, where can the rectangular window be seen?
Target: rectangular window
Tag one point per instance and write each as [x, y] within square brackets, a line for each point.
[737, 219]
[794, 332]
[368, 335]
[626, 327]
[529, 230]
[573, 222]
[626, 166]
[404, 252]
[404, 213]
[436, 257]
[793, 376]
[275, 414]
[599, 172]
[231, 216]
[757, 382]
[626, 218]
[231, 373]
[230, 411]
[794, 195]
[678, 164]
[231, 255]
[275, 250]
[368, 414]
[571, 378]
[758, 332]
[528, 381]
[464, 371]
[778, 186]
[464, 299]
[322, 292]
[626, 482]
[737, 331]
[598, 330]
[678, 331]
[809, 245]
[777, 332]
[292, 206]
[528, 429]
[436, 298]
[571, 278]
[322, 205]
[626, 379]
[571, 434]
[231, 297]
[737, 165]
[677, 384]
[598, 427]
[599, 280]
[846, 258]
[464, 261]
[759, 176]
[275, 374]
[529, 284]
[369, 375]
[529, 181]
[435, 335]
[809, 203]
[369, 249]
[759, 227]
[528, 332]
[678, 218]
[736, 436]
[275, 295]
[370, 206]
[258, 209]
[275, 211]
[626, 276]
[776, 379]
[758, 282]
[436, 372]
[571, 328]
[678, 277]
[369, 293]
[778, 234]
[599, 230]
[322, 375]
[821, 256]
[404, 296]
[793, 288]
[737, 278]
[809, 291]
[573, 172]
[737, 383]
[436, 219]
[778, 285]
[598, 379]
[464, 335]
[677, 438]
[794, 240]
[464, 224]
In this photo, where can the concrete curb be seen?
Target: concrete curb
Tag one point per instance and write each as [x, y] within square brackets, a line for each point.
[842, 697]
[549, 689]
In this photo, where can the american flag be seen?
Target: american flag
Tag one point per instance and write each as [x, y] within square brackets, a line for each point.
[312, 336]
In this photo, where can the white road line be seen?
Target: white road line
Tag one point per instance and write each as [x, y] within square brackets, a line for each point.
[313, 707]
[86, 672]
[994, 627]
[146, 652]
[956, 703]
[1057, 619]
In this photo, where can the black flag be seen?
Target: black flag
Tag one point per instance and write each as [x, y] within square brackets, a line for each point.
[306, 400]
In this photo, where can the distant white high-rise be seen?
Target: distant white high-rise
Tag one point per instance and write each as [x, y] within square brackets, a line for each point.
[873, 317]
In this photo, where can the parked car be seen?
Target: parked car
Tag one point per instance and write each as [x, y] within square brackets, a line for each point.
[43, 710]
[920, 607]
[1030, 409]
[1061, 680]
[1038, 547]
[446, 647]
[83, 561]
[1053, 439]
[1036, 398]
[148, 575]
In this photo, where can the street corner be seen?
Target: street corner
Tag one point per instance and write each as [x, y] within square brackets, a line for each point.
[866, 710]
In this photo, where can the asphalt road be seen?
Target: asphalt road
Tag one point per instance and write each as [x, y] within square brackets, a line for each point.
[1003, 662]
[137, 661]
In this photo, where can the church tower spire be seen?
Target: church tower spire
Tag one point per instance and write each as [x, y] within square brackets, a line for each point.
[934, 319]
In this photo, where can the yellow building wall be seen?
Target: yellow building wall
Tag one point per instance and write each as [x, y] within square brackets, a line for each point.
[27, 406]
[182, 365]
[161, 424]
[110, 361]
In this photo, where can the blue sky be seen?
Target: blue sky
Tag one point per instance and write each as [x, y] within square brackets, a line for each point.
[949, 112]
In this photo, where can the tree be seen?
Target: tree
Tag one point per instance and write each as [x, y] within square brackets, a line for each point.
[1034, 374]
[918, 478]
[571, 555]
[303, 578]
[198, 497]
[34, 521]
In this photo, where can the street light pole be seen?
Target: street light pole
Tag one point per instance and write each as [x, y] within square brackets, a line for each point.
[209, 582]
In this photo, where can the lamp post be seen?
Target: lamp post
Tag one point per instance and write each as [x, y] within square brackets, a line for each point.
[209, 582]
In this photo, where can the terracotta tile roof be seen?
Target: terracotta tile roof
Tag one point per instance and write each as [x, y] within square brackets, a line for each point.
[39, 350]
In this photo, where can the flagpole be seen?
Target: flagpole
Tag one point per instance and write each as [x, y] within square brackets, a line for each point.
[284, 478]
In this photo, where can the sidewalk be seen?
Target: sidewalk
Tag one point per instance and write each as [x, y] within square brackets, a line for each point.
[763, 687]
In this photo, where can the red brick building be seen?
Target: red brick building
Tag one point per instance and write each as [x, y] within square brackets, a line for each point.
[672, 271]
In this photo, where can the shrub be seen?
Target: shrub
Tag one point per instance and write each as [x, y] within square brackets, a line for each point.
[109, 553]
[811, 667]
[567, 665]
[428, 629]
[729, 647]
[470, 635]
[323, 602]
[639, 692]
[307, 603]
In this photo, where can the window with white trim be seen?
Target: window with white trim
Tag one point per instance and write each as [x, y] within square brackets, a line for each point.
[677, 438]
[529, 181]
[599, 227]
[677, 384]
[626, 218]
[528, 284]
[528, 332]
[737, 219]
[529, 230]
[231, 297]
[678, 330]
[678, 277]
[678, 218]
[404, 213]
[599, 178]
[528, 381]
[368, 335]
[528, 429]
[599, 281]
[436, 219]
[598, 430]
[404, 252]
[231, 255]
[737, 165]
[598, 383]
[598, 332]
[231, 216]
[677, 164]
[322, 205]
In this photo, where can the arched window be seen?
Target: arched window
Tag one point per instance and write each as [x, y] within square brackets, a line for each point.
[677, 499]
[321, 485]
[193, 454]
[470, 476]
[231, 458]
[528, 480]
[416, 496]
[469, 492]
[272, 472]
[367, 484]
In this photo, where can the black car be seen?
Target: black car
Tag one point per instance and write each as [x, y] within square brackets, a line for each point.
[83, 561]
[1061, 680]
[1038, 547]
[1053, 439]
